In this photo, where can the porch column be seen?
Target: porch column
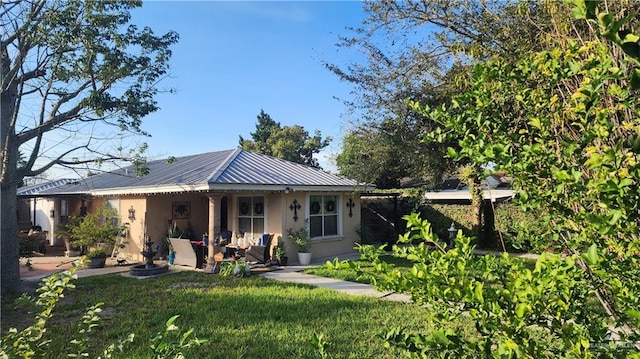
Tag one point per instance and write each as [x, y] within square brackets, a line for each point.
[215, 206]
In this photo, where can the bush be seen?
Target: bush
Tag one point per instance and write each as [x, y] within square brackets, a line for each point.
[30, 342]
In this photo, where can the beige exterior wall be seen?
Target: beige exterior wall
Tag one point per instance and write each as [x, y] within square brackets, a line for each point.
[327, 246]
[153, 212]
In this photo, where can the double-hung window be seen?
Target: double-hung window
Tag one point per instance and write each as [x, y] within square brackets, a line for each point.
[323, 215]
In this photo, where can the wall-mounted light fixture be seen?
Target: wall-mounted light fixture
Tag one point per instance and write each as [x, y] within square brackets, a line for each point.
[132, 213]
[288, 190]
[52, 213]
[350, 204]
[295, 206]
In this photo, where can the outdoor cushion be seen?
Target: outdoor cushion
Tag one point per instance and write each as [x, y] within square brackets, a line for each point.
[260, 254]
[184, 253]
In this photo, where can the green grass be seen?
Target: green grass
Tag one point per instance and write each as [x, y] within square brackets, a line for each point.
[240, 317]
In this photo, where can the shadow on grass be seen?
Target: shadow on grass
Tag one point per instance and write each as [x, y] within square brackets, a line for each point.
[250, 317]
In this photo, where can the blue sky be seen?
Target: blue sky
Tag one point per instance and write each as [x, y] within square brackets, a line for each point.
[236, 58]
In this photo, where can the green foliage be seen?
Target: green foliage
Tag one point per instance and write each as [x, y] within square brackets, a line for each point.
[563, 123]
[33, 343]
[96, 253]
[544, 312]
[94, 228]
[300, 237]
[259, 317]
[171, 343]
[292, 143]
[521, 230]
[442, 215]
[321, 344]
[365, 234]
[390, 152]
[279, 251]
[76, 67]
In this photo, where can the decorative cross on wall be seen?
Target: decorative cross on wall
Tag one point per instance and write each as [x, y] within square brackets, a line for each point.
[295, 206]
[350, 204]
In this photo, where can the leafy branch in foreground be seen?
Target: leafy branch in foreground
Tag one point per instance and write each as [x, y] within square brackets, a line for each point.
[545, 312]
[32, 342]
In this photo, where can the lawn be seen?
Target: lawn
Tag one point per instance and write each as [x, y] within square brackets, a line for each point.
[240, 317]
[366, 268]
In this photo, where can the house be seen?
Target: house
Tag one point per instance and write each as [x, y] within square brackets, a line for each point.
[34, 210]
[204, 194]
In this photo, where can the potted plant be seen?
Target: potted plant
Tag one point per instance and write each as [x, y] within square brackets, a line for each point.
[97, 257]
[302, 240]
[64, 232]
[280, 254]
[96, 231]
[172, 232]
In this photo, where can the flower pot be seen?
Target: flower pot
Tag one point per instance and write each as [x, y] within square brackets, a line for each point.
[172, 258]
[98, 262]
[304, 258]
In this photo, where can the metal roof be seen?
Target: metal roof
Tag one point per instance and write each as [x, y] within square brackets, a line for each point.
[35, 189]
[234, 169]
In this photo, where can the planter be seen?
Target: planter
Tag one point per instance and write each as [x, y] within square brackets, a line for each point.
[172, 258]
[282, 261]
[97, 262]
[304, 258]
[70, 250]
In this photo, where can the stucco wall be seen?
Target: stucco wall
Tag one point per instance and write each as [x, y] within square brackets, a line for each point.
[327, 246]
[153, 212]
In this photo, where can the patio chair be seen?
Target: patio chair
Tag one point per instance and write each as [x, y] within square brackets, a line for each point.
[41, 240]
[185, 255]
[260, 253]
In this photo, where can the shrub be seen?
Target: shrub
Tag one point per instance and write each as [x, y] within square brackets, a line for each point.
[30, 342]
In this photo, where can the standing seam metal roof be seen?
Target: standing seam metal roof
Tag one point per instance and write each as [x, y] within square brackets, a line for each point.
[230, 167]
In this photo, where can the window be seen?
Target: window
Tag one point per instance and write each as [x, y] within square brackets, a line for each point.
[323, 216]
[251, 216]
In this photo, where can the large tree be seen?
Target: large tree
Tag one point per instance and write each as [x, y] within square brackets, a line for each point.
[565, 124]
[292, 143]
[423, 51]
[75, 76]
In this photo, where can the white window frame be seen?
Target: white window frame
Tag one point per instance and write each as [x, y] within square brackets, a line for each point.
[252, 215]
[338, 214]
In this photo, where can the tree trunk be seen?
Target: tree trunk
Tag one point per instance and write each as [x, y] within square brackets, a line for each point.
[471, 176]
[9, 249]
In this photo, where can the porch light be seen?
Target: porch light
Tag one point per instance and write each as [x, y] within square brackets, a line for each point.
[132, 213]
[52, 213]
[452, 233]
[452, 230]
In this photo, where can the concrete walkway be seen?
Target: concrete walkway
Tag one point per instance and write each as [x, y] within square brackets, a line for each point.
[45, 266]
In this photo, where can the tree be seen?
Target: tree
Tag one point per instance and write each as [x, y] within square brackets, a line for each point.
[75, 76]
[423, 51]
[265, 128]
[565, 124]
[292, 143]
